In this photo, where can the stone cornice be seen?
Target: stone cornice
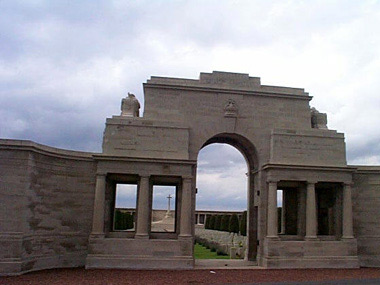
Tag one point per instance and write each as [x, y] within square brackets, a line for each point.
[103, 157]
[308, 167]
[367, 169]
[259, 92]
[27, 145]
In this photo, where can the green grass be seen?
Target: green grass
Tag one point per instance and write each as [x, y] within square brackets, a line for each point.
[200, 252]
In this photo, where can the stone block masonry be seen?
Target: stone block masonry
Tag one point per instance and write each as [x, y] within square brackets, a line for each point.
[46, 206]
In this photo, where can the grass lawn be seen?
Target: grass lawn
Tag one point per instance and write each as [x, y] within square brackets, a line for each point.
[200, 252]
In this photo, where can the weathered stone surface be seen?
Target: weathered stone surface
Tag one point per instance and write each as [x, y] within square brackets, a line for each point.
[47, 201]
[366, 212]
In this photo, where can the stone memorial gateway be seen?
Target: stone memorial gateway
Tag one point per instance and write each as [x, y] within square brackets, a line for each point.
[57, 205]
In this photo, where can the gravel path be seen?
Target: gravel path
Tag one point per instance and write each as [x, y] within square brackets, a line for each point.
[112, 276]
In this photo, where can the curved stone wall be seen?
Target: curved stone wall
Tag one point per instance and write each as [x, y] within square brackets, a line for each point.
[47, 197]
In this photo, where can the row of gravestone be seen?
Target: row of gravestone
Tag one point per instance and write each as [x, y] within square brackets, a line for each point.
[231, 244]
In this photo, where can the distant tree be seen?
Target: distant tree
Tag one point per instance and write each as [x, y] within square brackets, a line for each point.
[225, 223]
[212, 222]
[243, 224]
[207, 223]
[218, 220]
[133, 218]
[234, 224]
[129, 219]
[123, 221]
[117, 224]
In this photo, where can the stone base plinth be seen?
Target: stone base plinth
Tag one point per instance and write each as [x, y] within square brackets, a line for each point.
[129, 253]
[310, 254]
[138, 262]
[18, 267]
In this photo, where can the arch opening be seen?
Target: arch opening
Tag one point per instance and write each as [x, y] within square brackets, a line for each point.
[249, 210]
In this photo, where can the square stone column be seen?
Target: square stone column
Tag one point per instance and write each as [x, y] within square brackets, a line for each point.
[186, 217]
[301, 212]
[347, 232]
[311, 212]
[272, 226]
[99, 205]
[143, 209]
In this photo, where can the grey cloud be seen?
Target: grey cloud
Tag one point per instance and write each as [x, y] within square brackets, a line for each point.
[219, 157]
[222, 183]
[371, 148]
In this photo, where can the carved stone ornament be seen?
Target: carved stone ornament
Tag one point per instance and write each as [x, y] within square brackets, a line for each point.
[130, 106]
[318, 120]
[230, 110]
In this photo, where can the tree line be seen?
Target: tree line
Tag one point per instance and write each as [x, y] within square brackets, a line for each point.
[228, 223]
[123, 221]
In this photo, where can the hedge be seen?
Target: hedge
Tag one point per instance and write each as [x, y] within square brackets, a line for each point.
[243, 224]
[234, 224]
[123, 221]
[218, 221]
[225, 223]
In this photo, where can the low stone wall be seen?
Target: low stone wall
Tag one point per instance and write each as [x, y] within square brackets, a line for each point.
[232, 244]
[366, 213]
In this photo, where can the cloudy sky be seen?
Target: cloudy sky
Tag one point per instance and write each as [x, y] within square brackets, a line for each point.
[65, 65]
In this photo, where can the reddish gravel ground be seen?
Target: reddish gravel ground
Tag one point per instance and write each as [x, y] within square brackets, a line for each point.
[82, 276]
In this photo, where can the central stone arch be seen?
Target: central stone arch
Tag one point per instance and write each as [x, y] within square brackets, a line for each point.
[287, 146]
[248, 150]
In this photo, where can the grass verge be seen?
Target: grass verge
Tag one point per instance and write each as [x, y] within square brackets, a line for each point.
[200, 252]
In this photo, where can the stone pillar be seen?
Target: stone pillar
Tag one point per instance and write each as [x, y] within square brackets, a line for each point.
[347, 212]
[143, 209]
[185, 223]
[99, 205]
[272, 227]
[283, 213]
[301, 212]
[198, 219]
[311, 212]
